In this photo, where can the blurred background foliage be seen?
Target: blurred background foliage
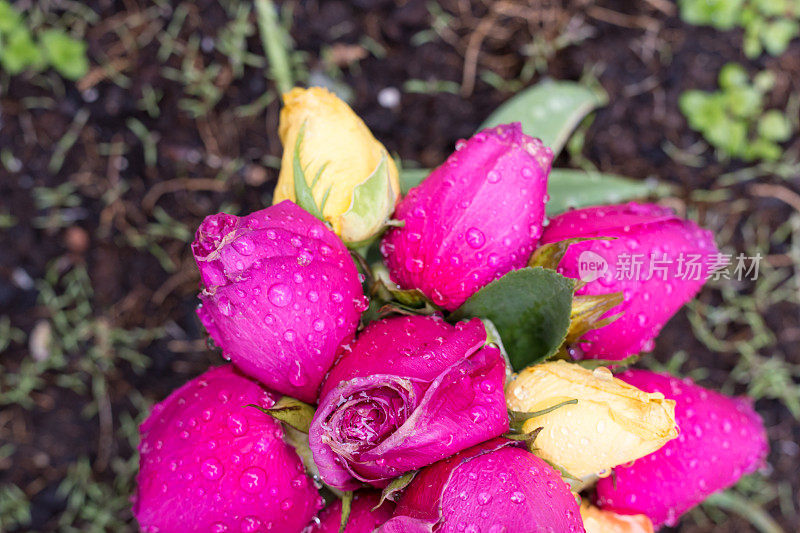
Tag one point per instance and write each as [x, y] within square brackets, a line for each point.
[122, 124]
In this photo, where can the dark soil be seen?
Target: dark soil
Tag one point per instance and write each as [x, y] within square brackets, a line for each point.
[643, 56]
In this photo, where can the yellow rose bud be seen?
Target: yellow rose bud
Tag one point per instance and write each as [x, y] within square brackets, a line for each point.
[611, 423]
[599, 521]
[351, 177]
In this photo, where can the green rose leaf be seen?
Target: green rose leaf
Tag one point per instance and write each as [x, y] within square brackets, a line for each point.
[302, 192]
[549, 110]
[371, 205]
[290, 411]
[395, 486]
[576, 188]
[529, 307]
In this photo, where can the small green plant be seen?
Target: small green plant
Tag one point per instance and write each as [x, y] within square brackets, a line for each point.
[768, 24]
[20, 51]
[733, 119]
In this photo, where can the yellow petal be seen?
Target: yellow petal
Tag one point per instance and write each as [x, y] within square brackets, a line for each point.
[338, 147]
[613, 423]
[599, 521]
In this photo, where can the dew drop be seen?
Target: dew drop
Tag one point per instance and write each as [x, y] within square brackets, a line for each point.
[603, 373]
[475, 238]
[280, 295]
[253, 480]
[238, 424]
[225, 306]
[212, 469]
[244, 245]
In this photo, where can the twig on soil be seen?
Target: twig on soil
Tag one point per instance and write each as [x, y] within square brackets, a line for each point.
[637, 22]
[472, 53]
[779, 192]
[179, 184]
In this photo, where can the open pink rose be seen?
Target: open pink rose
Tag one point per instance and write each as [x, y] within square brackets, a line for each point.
[210, 463]
[411, 391]
[281, 295]
[475, 218]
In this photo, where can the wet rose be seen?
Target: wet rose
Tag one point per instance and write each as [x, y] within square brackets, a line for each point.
[610, 423]
[210, 463]
[281, 294]
[475, 218]
[411, 391]
[495, 486]
[657, 260]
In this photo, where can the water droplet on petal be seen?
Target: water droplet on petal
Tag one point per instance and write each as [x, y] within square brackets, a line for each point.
[212, 469]
[280, 295]
[475, 238]
[253, 480]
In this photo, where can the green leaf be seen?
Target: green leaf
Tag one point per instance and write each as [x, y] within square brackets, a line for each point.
[9, 17]
[751, 44]
[744, 101]
[776, 35]
[65, 54]
[411, 177]
[694, 104]
[530, 308]
[371, 204]
[619, 364]
[746, 508]
[529, 438]
[576, 188]
[276, 44]
[550, 255]
[347, 504]
[20, 53]
[721, 14]
[588, 311]
[290, 411]
[775, 126]
[549, 110]
[395, 486]
[302, 192]
[733, 75]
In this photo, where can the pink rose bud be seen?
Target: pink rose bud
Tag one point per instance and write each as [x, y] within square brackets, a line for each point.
[362, 518]
[475, 218]
[657, 260]
[211, 463]
[413, 390]
[281, 295]
[495, 486]
[721, 439]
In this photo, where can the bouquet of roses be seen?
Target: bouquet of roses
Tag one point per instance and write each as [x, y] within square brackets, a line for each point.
[458, 379]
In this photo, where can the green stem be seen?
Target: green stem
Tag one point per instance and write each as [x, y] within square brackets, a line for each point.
[519, 417]
[275, 43]
[731, 501]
